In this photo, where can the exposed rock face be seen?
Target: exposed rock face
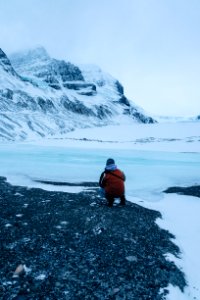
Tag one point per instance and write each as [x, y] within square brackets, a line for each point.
[5, 63]
[42, 96]
[37, 63]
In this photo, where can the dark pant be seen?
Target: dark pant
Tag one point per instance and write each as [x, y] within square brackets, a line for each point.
[111, 200]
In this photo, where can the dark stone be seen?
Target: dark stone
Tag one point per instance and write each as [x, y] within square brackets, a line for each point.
[68, 71]
[84, 184]
[55, 86]
[2, 54]
[56, 69]
[190, 191]
[87, 93]
[141, 117]
[76, 106]
[124, 100]
[6, 64]
[49, 78]
[46, 105]
[78, 86]
[119, 87]
[80, 246]
[25, 101]
[102, 111]
[4, 59]
[7, 93]
[41, 102]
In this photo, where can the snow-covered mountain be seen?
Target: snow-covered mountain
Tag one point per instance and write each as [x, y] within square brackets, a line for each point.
[42, 96]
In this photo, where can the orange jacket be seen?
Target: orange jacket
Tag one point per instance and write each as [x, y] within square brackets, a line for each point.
[113, 182]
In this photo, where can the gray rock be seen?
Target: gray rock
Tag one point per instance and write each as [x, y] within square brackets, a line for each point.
[78, 259]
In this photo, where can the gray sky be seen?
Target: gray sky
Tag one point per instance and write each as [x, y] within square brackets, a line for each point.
[151, 46]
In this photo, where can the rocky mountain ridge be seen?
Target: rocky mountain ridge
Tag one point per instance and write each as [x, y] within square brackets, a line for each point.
[41, 96]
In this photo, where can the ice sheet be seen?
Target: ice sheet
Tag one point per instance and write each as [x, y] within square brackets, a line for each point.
[148, 173]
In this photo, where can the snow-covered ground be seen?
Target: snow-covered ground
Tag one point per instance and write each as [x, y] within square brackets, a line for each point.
[153, 157]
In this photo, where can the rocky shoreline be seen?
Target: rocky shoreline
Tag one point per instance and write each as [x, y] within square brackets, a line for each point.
[188, 191]
[72, 246]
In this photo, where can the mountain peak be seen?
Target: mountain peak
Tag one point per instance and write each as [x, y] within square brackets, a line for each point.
[30, 56]
[38, 52]
[33, 52]
[51, 96]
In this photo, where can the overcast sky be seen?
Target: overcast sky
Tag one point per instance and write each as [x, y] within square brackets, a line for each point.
[151, 46]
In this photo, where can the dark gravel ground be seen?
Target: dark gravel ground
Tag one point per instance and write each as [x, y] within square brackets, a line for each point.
[189, 191]
[75, 247]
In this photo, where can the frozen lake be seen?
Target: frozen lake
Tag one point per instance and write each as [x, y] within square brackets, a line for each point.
[165, 155]
[148, 172]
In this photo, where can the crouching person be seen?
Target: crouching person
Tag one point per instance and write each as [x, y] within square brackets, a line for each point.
[112, 181]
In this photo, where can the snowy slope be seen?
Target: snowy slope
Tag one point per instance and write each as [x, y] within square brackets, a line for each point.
[42, 96]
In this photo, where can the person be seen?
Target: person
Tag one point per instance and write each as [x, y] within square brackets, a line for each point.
[112, 181]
